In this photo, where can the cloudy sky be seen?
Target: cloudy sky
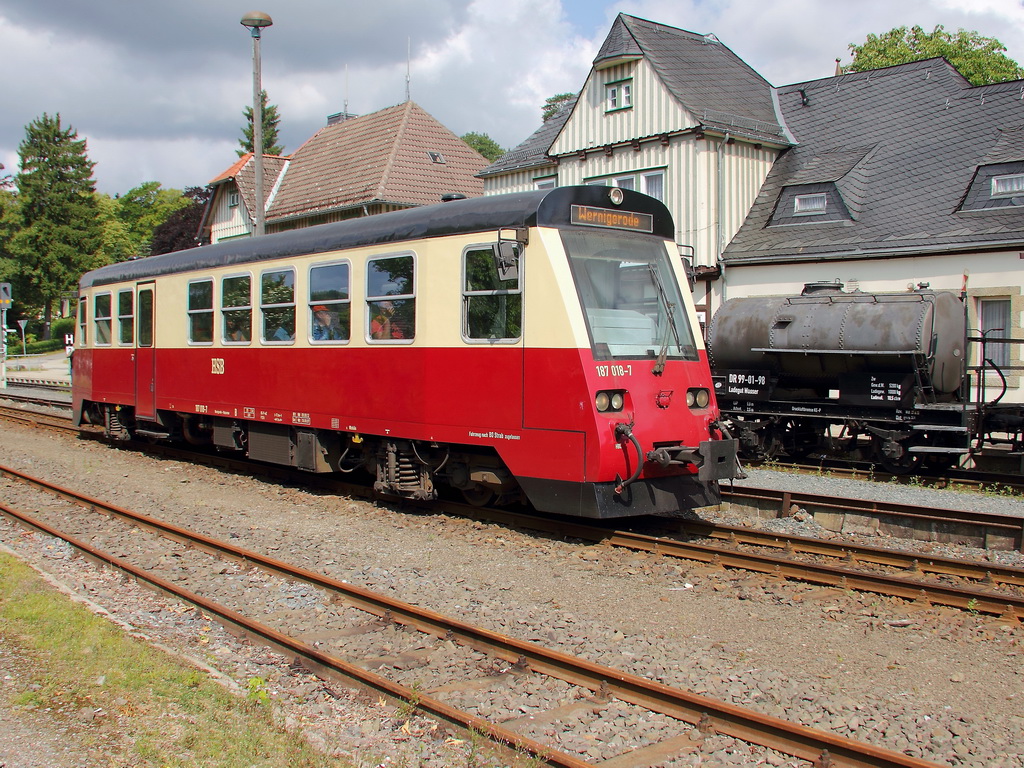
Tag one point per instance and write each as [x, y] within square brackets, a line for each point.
[157, 88]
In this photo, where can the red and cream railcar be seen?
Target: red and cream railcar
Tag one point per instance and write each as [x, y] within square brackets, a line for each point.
[538, 346]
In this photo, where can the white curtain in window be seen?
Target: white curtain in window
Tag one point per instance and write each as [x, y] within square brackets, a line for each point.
[995, 323]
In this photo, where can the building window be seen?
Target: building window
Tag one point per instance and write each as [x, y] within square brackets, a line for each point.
[101, 318]
[492, 300]
[544, 183]
[330, 314]
[126, 317]
[809, 205]
[1008, 186]
[236, 309]
[994, 317]
[277, 305]
[391, 298]
[200, 312]
[618, 95]
[233, 198]
[624, 182]
[653, 184]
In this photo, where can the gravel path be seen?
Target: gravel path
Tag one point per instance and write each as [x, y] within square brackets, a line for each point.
[938, 684]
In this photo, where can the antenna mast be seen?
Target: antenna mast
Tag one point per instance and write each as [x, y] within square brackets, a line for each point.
[408, 68]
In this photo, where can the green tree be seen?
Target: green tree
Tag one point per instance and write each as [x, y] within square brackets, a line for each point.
[181, 229]
[144, 208]
[980, 59]
[483, 144]
[554, 103]
[59, 232]
[270, 129]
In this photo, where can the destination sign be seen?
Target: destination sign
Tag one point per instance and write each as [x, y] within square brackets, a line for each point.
[589, 216]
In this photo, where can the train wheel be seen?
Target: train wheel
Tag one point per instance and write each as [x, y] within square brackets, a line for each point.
[893, 456]
[478, 495]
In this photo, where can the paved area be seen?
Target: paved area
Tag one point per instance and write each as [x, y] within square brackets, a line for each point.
[51, 367]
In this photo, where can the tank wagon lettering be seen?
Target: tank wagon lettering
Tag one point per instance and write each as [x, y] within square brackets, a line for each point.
[603, 217]
[217, 365]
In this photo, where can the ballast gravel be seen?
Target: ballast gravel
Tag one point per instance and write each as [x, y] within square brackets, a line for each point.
[943, 685]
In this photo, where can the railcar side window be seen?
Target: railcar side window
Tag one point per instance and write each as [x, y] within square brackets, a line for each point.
[101, 317]
[277, 305]
[492, 307]
[126, 317]
[330, 312]
[200, 311]
[390, 298]
[83, 304]
[236, 309]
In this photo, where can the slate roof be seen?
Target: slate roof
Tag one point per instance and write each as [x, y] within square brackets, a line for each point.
[714, 84]
[532, 153]
[708, 79]
[381, 157]
[902, 145]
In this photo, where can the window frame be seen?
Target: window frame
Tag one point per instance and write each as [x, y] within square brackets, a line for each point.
[122, 317]
[1017, 192]
[618, 95]
[468, 294]
[98, 319]
[342, 304]
[227, 311]
[195, 314]
[645, 183]
[816, 211]
[371, 299]
[274, 307]
[233, 198]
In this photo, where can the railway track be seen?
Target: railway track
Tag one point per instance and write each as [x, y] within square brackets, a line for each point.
[976, 586]
[443, 667]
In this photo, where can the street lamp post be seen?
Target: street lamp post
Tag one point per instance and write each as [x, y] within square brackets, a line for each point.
[256, 20]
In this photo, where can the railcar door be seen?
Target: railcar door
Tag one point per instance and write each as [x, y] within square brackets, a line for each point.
[145, 358]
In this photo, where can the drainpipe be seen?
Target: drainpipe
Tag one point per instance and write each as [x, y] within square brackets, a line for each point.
[719, 246]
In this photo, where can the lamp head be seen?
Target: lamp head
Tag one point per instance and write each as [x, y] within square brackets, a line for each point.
[255, 20]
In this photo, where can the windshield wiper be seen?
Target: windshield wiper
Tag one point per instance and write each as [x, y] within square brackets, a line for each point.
[670, 315]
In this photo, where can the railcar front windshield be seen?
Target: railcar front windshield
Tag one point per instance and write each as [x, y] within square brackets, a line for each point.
[630, 296]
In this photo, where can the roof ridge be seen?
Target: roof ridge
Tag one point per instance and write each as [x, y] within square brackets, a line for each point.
[395, 145]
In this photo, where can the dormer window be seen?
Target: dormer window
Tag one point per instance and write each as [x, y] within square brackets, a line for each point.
[233, 198]
[995, 187]
[809, 205]
[1008, 186]
[618, 95]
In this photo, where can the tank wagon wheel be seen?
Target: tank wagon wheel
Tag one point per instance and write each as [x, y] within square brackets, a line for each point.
[893, 456]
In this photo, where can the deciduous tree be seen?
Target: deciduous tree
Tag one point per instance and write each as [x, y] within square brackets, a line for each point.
[181, 229]
[483, 144]
[980, 59]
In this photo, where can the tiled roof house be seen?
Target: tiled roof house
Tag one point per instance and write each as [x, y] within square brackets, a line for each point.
[399, 157]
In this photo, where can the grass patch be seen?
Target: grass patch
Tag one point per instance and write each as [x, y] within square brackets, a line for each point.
[162, 711]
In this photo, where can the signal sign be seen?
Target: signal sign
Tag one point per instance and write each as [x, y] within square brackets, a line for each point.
[5, 295]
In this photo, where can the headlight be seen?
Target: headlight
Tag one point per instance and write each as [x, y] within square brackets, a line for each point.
[698, 397]
[609, 400]
[602, 401]
[616, 401]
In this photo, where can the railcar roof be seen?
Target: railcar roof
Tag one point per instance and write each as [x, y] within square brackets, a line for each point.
[478, 214]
